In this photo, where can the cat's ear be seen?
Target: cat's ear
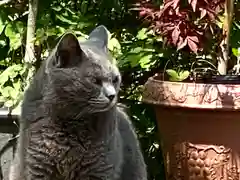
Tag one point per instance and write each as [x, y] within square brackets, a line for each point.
[100, 34]
[68, 51]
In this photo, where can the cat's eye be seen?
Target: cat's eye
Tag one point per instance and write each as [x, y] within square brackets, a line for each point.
[115, 79]
[98, 81]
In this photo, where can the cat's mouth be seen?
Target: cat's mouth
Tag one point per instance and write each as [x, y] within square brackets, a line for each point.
[110, 104]
[104, 105]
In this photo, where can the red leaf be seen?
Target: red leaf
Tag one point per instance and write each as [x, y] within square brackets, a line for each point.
[182, 45]
[192, 45]
[169, 28]
[211, 15]
[194, 4]
[194, 39]
[206, 1]
[203, 13]
[167, 5]
[175, 4]
[175, 35]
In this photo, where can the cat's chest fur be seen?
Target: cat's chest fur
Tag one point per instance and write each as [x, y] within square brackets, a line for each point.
[79, 150]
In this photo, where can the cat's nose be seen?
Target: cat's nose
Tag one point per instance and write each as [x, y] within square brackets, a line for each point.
[109, 91]
[111, 97]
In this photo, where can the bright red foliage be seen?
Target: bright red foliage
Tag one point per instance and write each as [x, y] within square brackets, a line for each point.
[182, 22]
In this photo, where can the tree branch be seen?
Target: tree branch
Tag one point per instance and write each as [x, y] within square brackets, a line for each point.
[224, 56]
[3, 2]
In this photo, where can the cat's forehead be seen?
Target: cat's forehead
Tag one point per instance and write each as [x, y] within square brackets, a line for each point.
[99, 57]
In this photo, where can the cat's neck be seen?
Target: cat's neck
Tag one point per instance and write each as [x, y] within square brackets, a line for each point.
[99, 126]
[104, 124]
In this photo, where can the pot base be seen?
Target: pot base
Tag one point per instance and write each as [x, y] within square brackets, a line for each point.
[199, 144]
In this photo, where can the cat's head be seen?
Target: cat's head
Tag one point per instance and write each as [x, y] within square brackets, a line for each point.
[82, 77]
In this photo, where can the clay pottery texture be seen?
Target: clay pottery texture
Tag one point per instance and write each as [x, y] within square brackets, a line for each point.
[199, 128]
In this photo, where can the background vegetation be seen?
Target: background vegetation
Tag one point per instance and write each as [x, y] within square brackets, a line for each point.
[138, 50]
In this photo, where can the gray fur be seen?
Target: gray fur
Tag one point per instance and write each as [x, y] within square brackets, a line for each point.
[71, 127]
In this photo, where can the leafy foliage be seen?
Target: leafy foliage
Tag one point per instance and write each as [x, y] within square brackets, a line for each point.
[194, 28]
[184, 23]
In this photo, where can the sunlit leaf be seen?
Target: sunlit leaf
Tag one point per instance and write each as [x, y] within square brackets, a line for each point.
[9, 103]
[183, 75]
[13, 94]
[6, 91]
[142, 34]
[11, 71]
[235, 52]
[145, 61]
[14, 32]
[17, 85]
[114, 44]
[3, 78]
[173, 74]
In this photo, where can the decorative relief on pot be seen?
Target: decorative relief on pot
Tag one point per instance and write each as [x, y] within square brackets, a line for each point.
[202, 162]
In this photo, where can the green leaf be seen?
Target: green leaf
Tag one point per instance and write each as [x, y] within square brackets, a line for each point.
[14, 33]
[114, 44]
[183, 75]
[9, 103]
[221, 20]
[235, 52]
[3, 78]
[57, 8]
[17, 85]
[2, 25]
[142, 34]
[14, 28]
[13, 94]
[65, 20]
[2, 99]
[81, 38]
[6, 91]
[9, 32]
[173, 75]
[3, 43]
[19, 26]
[133, 59]
[145, 61]
[11, 72]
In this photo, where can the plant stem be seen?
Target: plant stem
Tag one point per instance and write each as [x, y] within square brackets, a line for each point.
[224, 56]
[29, 58]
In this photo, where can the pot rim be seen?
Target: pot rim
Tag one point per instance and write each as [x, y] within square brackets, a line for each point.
[191, 94]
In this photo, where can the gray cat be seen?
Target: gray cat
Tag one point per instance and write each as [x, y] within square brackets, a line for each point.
[71, 126]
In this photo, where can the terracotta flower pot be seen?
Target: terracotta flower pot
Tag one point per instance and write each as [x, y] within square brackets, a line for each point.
[199, 127]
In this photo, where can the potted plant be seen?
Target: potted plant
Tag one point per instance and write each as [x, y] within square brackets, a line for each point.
[197, 101]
